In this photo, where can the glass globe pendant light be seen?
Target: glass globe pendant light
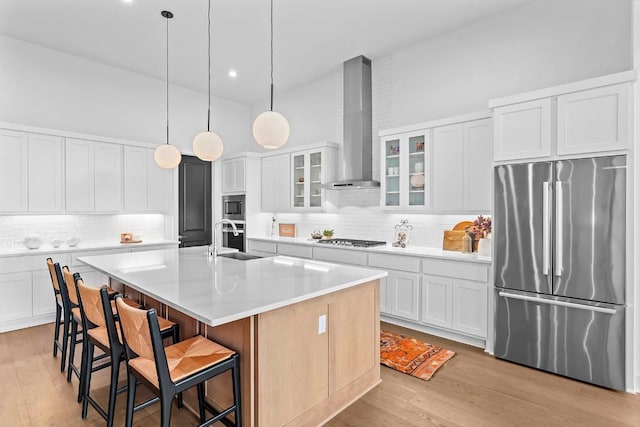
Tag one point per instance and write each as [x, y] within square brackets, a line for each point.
[208, 145]
[271, 129]
[166, 155]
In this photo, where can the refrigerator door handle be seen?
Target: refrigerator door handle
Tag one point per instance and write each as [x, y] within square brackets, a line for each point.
[557, 265]
[558, 303]
[546, 228]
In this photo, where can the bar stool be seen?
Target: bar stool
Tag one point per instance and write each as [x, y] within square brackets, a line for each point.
[173, 369]
[102, 331]
[76, 319]
[55, 280]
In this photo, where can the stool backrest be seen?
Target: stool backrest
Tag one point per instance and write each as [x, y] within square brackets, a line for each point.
[71, 285]
[54, 275]
[91, 303]
[135, 327]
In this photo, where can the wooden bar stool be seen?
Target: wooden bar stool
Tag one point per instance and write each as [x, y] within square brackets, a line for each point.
[63, 312]
[173, 369]
[102, 331]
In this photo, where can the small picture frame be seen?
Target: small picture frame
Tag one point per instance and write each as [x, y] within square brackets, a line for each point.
[401, 239]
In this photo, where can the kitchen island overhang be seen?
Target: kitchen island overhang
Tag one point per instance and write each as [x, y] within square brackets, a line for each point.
[307, 331]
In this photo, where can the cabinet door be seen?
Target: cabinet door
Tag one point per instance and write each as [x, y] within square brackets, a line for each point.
[79, 182]
[136, 163]
[45, 173]
[405, 294]
[448, 162]
[522, 130]
[15, 296]
[316, 162]
[275, 183]
[43, 300]
[14, 171]
[470, 307]
[158, 187]
[478, 155]
[437, 301]
[594, 120]
[391, 172]
[233, 175]
[238, 175]
[384, 296]
[108, 177]
[299, 163]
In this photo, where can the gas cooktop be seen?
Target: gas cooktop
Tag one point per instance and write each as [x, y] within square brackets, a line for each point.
[352, 242]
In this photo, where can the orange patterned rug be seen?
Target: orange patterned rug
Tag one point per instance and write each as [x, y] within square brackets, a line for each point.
[410, 356]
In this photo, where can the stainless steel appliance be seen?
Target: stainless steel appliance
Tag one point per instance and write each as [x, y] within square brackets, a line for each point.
[352, 242]
[559, 245]
[229, 240]
[233, 207]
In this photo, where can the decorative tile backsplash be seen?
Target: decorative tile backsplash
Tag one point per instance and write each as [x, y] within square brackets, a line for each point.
[91, 228]
[356, 214]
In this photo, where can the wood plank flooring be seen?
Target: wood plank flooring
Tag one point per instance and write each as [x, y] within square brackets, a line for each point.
[473, 389]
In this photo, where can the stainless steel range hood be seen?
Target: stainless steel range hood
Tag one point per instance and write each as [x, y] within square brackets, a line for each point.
[357, 142]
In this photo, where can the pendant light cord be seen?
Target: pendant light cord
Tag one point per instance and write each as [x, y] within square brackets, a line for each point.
[209, 69]
[168, 17]
[271, 108]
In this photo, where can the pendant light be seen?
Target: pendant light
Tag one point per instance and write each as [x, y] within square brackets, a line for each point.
[271, 129]
[167, 156]
[208, 145]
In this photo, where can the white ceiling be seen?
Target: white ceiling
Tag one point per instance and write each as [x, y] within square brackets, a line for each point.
[312, 38]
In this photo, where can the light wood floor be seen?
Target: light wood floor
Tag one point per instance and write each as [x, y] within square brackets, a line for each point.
[473, 389]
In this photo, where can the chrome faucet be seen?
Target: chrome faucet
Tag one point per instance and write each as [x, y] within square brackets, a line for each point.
[213, 251]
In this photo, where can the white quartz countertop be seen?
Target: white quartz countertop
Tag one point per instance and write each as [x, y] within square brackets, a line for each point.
[82, 246]
[421, 251]
[222, 290]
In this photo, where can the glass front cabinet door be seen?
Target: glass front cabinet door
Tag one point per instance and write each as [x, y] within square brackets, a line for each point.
[310, 170]
[406, 171]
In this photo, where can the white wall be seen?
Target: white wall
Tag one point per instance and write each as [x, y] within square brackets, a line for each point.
[47, 88]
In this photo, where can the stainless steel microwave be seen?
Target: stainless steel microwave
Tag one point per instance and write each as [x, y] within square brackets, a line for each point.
[233, 207]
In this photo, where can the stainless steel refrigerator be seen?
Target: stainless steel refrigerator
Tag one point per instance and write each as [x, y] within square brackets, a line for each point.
[559, 249]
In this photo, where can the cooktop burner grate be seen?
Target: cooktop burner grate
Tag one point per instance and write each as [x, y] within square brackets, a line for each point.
[352, 242]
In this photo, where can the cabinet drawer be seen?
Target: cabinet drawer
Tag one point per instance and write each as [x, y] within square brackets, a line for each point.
[395, 262]
[76, 255]
[256, 245]
[294, 250]
[340, 256]
[16, 264]
[456, 269]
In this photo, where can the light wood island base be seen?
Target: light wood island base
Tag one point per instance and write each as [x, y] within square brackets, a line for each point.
[291, 374]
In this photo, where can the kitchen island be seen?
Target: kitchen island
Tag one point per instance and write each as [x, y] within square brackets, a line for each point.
[307, 332]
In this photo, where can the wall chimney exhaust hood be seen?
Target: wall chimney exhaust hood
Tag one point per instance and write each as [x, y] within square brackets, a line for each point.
[357, 142]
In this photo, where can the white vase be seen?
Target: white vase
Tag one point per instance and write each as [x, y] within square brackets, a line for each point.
[418, 167]
[484, 247]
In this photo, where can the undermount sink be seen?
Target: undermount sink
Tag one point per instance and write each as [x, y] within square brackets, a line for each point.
[239, 256]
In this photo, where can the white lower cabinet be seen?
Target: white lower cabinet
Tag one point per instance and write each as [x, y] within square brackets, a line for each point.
[385, 308]
[460, 305]
[44, 302]
[15, 296]
[470, 307]
[404, 294]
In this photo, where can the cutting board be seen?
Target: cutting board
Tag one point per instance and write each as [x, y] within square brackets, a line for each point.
[452, 239]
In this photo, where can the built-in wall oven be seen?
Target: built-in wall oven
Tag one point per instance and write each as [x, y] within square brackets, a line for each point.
[233, 209]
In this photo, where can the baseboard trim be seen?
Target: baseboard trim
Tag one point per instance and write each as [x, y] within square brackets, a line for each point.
[450, 335]
[14, 325]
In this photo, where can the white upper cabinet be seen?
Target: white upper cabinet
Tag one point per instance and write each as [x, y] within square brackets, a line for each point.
[147, 186]
[594, 120]
[276, 185]
[444, 167]
[310, 169]
[108, 180]
[94, 176]
[522, 130]
[14, 171]
[585, 117]
[233, 175]
[46, 173]
[406, 170]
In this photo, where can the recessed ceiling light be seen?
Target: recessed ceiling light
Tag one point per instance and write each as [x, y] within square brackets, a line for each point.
[127, 1]
[233, 74]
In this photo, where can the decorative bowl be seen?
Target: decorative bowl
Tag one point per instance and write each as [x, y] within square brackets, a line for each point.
[56, 242]
[33, 241]
[73, 241]
[316, 234]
